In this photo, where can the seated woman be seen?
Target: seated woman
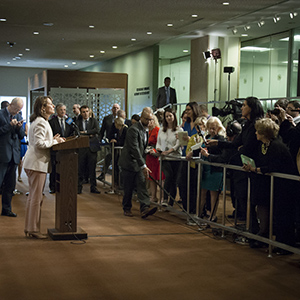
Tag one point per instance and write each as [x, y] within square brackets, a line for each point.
[212, 177]
[168, 144]
[272, 155]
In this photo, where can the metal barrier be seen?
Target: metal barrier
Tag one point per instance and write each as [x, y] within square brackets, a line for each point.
[222, 225]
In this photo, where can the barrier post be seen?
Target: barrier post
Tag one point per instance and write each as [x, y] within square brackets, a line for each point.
[248, 206]
[224, 200]
[271, 214]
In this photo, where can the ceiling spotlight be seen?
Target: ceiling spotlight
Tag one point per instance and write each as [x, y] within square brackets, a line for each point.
[261, 23]
[276, 19]
[169, 24]
[91, 56]
[66, 66]
[234, 31]
[149, 32]
[185, 51]
[48, 24]
[74, 62]
[102, 51]
[91, 26]
[36, 32]
[194, 16]
[244, 34]
[225, 3]
[133, 39]
[114, 47]
[2, 20]
[11, 44]
[20, 54]
[27, 49]
[247, 27]
[293, 15]
[8, 63]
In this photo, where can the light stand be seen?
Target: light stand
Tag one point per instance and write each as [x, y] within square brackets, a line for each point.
[228, 70]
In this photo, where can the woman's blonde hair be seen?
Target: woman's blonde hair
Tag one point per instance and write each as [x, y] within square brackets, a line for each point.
[200, 120]
[267, 127]
[211, 120]
[155, 120]
[120, 121]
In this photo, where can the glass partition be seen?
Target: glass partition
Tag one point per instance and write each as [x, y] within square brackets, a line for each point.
[264, 67]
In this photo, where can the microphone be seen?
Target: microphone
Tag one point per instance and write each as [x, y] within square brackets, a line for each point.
[72, 123]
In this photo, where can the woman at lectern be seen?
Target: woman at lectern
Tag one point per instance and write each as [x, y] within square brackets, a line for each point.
[36, 162]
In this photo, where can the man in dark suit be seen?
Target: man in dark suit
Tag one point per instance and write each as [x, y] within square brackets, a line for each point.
[88, 156]
[107, 124]
[76, 111]
[59, 126]
[166, 95]
[133, 164]
[11, 132]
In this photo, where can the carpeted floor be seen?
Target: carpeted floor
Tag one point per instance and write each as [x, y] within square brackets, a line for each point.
[131, 258]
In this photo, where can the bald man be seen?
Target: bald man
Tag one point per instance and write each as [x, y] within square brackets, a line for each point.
[133, 165]
[11, 132]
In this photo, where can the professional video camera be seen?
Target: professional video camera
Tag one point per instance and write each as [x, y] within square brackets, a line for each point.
[231, 107]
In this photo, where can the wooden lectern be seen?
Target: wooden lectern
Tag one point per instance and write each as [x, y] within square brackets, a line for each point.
[66, 190]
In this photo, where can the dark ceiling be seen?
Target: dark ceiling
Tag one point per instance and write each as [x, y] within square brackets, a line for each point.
[65, 36]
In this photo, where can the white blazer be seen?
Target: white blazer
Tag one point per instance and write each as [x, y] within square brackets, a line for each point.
[40, 141]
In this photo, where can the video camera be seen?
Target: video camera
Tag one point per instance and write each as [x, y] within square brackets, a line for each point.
[231, 107]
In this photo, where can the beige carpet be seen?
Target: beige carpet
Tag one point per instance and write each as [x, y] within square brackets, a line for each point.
[131, 258]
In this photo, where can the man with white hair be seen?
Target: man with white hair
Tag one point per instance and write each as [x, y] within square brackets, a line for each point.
[11, 132]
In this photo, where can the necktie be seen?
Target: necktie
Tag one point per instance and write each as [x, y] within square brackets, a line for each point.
[86, 122]
[62, 127]
[167, 96]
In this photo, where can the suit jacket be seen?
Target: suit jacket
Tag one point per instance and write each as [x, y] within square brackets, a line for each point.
[106, 126]
[56, 128]
[10, 137]
[92, 131]
[161, 100]
[37, 157]
[133, 154]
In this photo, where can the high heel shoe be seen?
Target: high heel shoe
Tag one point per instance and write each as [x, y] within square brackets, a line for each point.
[37, 235]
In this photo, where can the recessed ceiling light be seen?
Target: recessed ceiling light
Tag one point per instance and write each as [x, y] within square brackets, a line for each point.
[133, 39]
[18, 57]
[102, 51]
[14, 58]
[20, 54]
[244, 34]
[169, 24]
[36, 32]
[27, 49]
[48, 24]
[8, 62]
[149, 32]
[194, 16]
[185, 51]
[74, 62]
[66, 66]
[114, 47]
[225, 3]
[91, 56]
[3, 20]
[91, 26]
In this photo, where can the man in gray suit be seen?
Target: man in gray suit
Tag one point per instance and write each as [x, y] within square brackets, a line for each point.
[133, 164]
[166, 95]
[11, 132]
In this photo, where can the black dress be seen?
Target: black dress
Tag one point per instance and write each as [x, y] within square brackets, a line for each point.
[276, 158]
